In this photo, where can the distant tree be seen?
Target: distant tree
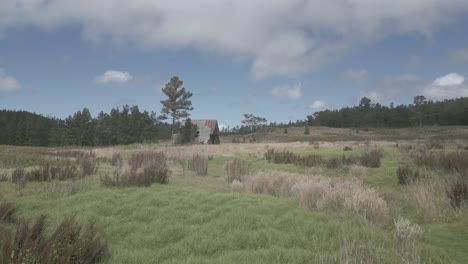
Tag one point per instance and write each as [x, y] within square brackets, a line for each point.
[189, 131]
[253, 123]
[419, 102]
[79, 128]
[177, 104]
[285, 131]
[306, 131]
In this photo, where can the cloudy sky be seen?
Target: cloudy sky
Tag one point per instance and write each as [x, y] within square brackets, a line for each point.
[278, 59]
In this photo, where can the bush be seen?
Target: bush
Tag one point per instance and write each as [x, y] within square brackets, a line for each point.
[458, 192]
[405, 175]
[235, 170]
[347, 148]
[69, 243]
[198, 164]
[371, 159]
[6, 211]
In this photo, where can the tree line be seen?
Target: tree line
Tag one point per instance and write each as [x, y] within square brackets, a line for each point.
[121, 126]
[421, 113]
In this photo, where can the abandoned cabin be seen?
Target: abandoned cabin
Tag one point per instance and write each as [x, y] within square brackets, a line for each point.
[207, 132]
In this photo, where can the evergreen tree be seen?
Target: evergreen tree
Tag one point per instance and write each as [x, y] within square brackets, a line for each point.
[177, 104]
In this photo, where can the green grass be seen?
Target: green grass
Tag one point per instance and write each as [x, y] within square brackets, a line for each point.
[170, 224]
[196, 219]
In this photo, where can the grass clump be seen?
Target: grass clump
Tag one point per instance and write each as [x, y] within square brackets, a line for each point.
[198, 164]
[371, 158]
[88, 165]
[69, 243]
[320, 192]
[6, 211]
[449, 161]
[47, 172]
[406, 236]
[3, 177]
[235, 170]
[144, 159]
[457, 192]
[405, 175]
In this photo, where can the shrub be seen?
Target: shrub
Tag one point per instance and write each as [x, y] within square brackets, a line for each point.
[347, 148]
[458, 192]
[6, 211]
[69, 243]
[199, 164]
[371, 159]
[3, 177]
[237, 186]
[235, 170]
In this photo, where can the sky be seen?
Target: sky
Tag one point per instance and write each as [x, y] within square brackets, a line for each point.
[282, 60]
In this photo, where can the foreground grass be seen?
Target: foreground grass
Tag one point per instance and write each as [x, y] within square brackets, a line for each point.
[196, 219]
[167, 224]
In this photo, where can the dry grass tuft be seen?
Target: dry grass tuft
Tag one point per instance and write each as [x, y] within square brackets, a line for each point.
[406, 236]
[429, 200]
[357, 172]
[237, 186]
[320, 192]
[235, 170]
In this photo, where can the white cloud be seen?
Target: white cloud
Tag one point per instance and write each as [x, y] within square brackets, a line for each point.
[318, 105]
[286, 91]
[451, 79]
[449, 86]
[281, 38]
[114, 77]
[8, 83]
[355, 75]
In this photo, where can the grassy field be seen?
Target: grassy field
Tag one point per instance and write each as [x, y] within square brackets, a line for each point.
[279, 212]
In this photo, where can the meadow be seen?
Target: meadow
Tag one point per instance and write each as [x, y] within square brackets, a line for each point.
[334, 196]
